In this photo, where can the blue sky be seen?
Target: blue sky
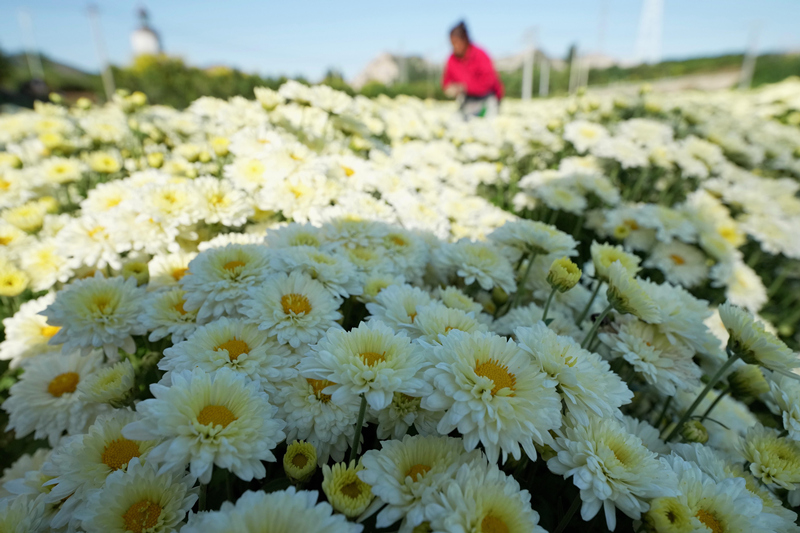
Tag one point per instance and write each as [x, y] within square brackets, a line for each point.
[307, 37]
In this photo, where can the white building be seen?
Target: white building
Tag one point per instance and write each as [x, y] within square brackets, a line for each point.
[145, 40]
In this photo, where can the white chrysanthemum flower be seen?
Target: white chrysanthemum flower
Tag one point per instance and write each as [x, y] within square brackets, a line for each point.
[82, 464]
[220, 202]
[89, 242]
[109, 384]
[786, 394]
[611, 467]
[773, 459]
[628, 297]
[97, 313]
[529, 315]
[174, 203]
[23, 514]
[651, 437]
[45, 264]
[371, 360]
[406, 475]
[664, 364]
[396, 305]
[405, 411]
[237, 345]
[347, 493]
[140, 499]
[479, 262]
[218, 279]
[704, 504]
[584, 381]
[455, 298]
[604, 255]
[483, 498]
[754, 343]
[204, 419]
[584, 135]
[436, 319]
[20, 468]
[520, 237]
[27, 333]
[295, 308]
[294, 234]
[310, 415]
[334, 271]
[44, 400]
[168, 270]
[492, 394]
[681, 263]
[286, 511]
[165, 316]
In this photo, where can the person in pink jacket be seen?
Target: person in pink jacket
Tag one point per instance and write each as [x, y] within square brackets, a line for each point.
[470, 76]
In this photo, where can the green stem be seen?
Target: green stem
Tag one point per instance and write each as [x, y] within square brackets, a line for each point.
[711, 407]
[201, 502]
[547, 304]
[775, 285]
[521, 283]
[360, 422]
[714, 379]
[754, 258]
[596, 325]
[660, 418]
[589, 304]
[562, 525]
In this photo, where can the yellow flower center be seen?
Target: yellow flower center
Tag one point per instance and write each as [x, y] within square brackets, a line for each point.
[217, 415]
[49, 331]
[295, 303]
[5, 185]
[94, 231]
[235, 348]
[709, 521]
[299, 460]
[141, 516]
[397, 240]
[5, 241]
[179, 307]
[418, 471]
[119, 452]
[372, 358]
[492, 524]
[318, 385]
[63, 383]
[678, 260]
[101, 301]
[348, 171]
[230, 266]
[178, 273]
[352, 489]
[499, 374]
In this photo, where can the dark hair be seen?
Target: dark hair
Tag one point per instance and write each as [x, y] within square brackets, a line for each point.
[460, 31]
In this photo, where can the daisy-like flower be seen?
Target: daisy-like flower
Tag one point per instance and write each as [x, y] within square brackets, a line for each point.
[681, 263]
[237, 345]
[345, 491]
[97, 313]
[310, 415]
[479, 262]
[603, 255]
[405, 411]
[140, 499]
[435, 319]
[786, 394]
[286, 511]
[45, 399]
[164, 315]
[454, 298]
[755, 345]
[611, 467]
[220, 202]
[204, 419]
[529, 315]
[584, 381]
[519, 237]
[300, 461]
[168, 270]
[109, 384]
[483, 498]
[664, 364]
[82, 464]
[295, 308]
[406, 475]
[218, 279]
[23, 514]
[492, 394]
[371, 360]
[20, 468]
[27, 333]
[584, 135]
[294, 234]
[334, 271]
[773, 459]
[12, 280]
[627, 296]
[396, 305]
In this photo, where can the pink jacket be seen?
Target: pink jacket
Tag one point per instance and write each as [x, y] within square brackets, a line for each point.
[475, 71]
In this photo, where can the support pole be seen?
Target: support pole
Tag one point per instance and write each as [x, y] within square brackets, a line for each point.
[107, 75]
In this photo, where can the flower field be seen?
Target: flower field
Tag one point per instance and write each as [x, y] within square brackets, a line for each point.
[315, 313]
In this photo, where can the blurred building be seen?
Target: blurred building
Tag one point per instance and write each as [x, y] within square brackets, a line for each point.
[145, 40]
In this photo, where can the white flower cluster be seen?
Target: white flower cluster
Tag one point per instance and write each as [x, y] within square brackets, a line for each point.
[361, 299]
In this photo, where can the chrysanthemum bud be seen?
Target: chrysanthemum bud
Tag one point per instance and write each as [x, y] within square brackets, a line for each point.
[563, 274]
[499, 296]
[346, 493]
[137, 270]
[694, 431]
[300, 461]
[110, 385]
[155, 159]
[747, 381]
